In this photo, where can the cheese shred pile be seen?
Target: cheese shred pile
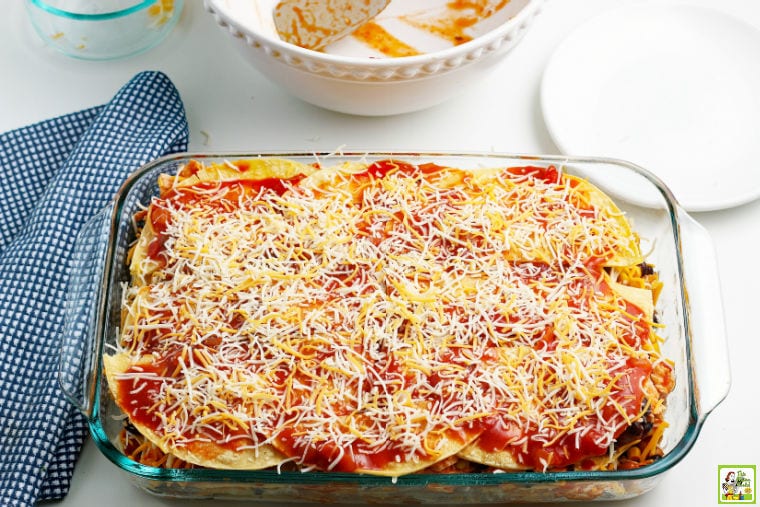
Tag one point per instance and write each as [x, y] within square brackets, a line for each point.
[381, 318]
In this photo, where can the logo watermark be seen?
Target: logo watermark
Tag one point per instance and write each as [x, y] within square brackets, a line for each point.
[736, 484]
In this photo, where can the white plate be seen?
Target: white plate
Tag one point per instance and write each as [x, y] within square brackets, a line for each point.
[671, 87]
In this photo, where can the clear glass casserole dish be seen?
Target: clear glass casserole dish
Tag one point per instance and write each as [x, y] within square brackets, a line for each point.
[689, 308]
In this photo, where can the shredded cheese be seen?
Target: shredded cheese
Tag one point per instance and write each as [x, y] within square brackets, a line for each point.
[379, 314]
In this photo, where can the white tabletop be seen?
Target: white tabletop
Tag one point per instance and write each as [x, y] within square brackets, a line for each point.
[231, 107]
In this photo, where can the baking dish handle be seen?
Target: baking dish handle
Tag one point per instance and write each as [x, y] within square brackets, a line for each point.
[78, 360]
[709, 346]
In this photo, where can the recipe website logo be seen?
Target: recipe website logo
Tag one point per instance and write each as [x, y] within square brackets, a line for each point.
[736, 484]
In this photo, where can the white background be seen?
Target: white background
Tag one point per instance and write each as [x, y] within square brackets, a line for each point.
[231, 107]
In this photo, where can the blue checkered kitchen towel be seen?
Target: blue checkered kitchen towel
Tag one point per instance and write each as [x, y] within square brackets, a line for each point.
[54, 176]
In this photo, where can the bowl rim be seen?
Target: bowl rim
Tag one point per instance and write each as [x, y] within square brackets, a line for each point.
[101, 16]
[468, 51]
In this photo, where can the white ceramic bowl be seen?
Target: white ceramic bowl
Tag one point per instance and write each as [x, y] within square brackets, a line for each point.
[349, 78]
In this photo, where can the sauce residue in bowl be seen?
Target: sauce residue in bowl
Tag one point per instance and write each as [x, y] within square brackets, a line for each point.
[451, 23]
[380, 39]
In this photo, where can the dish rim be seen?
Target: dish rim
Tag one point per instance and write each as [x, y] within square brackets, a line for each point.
[100, 16]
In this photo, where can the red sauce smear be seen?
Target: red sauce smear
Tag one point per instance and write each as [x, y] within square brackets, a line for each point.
[451, 25]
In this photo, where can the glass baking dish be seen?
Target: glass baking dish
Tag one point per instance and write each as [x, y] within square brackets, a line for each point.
[689, 307]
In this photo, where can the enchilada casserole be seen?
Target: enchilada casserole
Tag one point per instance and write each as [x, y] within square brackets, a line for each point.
[387, 319]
